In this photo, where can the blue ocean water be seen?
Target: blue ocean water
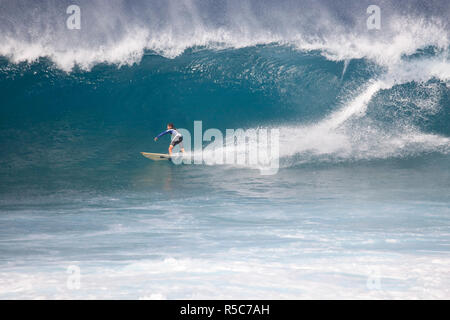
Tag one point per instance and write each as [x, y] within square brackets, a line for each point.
[359, 208]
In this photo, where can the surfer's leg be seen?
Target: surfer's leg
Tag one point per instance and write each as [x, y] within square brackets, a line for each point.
[174, 143]
[181, 144]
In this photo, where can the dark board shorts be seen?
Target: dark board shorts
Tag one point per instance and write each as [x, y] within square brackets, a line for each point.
[176, 141]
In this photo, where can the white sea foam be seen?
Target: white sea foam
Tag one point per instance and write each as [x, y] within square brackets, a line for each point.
[334, 135]
[110, 34]
[397, 276]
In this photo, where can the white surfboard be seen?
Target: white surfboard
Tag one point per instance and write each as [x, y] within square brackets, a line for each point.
[156, 156]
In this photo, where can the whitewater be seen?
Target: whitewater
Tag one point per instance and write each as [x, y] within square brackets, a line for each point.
[360, 205]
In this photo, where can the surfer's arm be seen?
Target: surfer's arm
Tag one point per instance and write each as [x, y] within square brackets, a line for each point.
[163, 133]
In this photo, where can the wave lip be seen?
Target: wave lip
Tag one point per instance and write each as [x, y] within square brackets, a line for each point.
[119, 32]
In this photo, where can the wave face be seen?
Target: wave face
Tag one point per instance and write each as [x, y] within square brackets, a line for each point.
[337, 91]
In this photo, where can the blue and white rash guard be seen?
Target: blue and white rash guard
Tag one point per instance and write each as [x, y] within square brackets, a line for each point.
[175, 134]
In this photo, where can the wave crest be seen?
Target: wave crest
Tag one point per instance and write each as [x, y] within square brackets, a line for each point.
[119, 32]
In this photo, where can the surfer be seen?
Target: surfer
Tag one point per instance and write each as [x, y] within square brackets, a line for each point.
[177, 138]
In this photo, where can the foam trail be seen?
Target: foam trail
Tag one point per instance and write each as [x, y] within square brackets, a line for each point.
[346, 63]
[339, 136]
[356, 107]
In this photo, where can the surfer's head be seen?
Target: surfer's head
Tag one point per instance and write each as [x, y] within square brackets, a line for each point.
[170, 126]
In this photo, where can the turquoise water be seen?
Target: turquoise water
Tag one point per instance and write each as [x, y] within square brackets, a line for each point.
[359, 207]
